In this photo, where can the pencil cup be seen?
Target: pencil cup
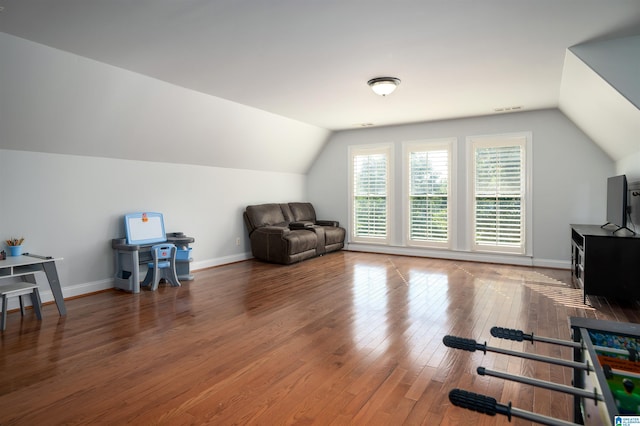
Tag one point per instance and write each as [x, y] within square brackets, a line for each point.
[15, 250]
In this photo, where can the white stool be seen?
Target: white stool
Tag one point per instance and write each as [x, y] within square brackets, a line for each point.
[19, 289]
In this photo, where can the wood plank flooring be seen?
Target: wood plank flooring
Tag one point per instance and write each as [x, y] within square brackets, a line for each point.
[348, 338]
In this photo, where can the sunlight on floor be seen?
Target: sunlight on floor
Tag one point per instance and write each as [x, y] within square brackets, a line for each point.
[560, 292]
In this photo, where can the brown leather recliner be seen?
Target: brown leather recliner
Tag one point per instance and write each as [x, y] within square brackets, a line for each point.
[289, 233]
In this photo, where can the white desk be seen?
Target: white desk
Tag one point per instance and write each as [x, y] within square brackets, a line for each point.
[26, 266]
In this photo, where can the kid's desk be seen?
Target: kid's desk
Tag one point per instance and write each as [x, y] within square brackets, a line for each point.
[26, 266]
[143, 231]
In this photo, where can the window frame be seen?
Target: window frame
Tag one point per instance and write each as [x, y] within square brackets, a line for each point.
[524, 140]
[409, 147]
[358, 150]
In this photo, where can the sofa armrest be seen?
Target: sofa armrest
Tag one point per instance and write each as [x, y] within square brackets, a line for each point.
[301, 225]
[328, 223]
[270, 243]
[271, 230]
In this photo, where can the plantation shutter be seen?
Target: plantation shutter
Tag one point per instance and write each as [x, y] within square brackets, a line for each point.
[370, 195]
[499, 196]
[429, 196]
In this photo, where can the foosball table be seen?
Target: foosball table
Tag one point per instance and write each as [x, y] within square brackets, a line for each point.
[606, 373]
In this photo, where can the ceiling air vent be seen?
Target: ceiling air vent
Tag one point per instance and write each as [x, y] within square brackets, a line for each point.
[508, 109]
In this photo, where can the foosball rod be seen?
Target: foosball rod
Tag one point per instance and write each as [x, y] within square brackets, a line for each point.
[487, 405]
[543, 384]
[519, 336]
[471, 346]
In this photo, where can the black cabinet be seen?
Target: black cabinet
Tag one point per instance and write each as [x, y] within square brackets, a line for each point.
[605, 264]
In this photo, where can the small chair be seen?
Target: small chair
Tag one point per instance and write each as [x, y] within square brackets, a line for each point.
[162, 266]
[20, 289]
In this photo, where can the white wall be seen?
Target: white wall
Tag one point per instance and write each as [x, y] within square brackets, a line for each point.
[630, 166]
[72, 206]
[569, 176]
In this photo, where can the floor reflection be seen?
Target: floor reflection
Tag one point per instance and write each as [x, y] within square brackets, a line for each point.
[427, 305]
[370, 328]
[424, 287]
[395, 310]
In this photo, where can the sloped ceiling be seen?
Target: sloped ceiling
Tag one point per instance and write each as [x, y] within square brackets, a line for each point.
[57, 102]
[600, 92]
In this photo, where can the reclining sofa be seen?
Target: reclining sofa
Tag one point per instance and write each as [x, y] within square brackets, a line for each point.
[289, 233]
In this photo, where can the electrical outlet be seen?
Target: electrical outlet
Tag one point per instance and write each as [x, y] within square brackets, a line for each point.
[238, 241]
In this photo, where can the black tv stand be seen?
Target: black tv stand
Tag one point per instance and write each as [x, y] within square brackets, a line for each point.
[604, 263]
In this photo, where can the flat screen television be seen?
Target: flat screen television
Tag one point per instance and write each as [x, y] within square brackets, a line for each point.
[617, 202]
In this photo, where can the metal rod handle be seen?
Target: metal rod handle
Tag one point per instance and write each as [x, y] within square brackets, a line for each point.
[471, 346]
[542, 384]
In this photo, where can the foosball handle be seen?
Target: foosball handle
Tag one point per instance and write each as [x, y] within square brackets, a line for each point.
[464, 344]
[519, 336]
[511, 334]
[487, 405]
[480, 403]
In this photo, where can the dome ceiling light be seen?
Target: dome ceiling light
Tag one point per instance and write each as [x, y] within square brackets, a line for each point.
[383, 86]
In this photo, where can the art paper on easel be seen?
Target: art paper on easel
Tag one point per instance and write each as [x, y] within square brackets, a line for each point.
[144, 228]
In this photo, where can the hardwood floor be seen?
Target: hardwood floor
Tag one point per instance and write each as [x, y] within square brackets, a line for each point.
[348, 338]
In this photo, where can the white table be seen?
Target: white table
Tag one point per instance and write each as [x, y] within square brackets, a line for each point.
[27, 265]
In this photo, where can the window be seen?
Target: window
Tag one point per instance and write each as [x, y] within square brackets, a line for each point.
[428, 179]
[499, 193]
[370, 171]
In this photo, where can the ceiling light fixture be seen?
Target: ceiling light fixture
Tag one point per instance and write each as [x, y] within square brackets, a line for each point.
[383, 86]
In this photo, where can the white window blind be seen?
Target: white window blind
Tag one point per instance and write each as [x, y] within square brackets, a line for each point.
[370, 195]
[429, 178]
[499, 194]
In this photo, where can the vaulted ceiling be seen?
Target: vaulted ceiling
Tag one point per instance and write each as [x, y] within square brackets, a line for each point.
[310, 60]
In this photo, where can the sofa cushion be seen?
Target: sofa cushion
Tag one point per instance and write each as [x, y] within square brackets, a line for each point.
[303, 212]
[286, 211]
[264, 215]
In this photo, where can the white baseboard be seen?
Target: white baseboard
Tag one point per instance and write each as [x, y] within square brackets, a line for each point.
[552, 263]
[76, 289]
[506, 259]
[203, 264]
